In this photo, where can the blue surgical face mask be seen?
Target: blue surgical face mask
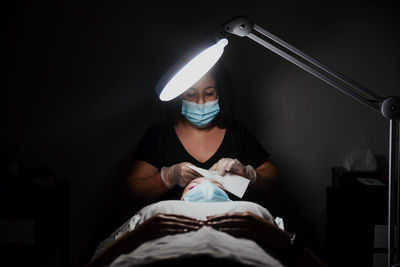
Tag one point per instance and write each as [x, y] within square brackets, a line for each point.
[206, 192]
[200, 114]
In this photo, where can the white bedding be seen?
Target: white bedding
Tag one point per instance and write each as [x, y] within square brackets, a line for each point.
[205, 241]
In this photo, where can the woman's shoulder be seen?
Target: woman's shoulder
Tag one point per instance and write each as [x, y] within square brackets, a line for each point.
[240, 133]
[238, 128]
[157, 132]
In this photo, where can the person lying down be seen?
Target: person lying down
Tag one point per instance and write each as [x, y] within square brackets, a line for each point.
[204, 227]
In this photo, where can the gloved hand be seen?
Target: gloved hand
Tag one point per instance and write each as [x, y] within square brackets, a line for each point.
[234, 166]
[178, 174]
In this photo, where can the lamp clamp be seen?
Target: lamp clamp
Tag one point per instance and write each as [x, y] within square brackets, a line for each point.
[240, 26]
[390, 107]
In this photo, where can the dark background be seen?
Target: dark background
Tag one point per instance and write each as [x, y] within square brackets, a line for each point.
[77, 94]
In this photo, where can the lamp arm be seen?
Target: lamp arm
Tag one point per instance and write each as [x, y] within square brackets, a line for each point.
[241, 26]
[389, 107]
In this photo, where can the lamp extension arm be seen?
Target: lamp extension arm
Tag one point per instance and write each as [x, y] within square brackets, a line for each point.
[241, 26]
[388, 107]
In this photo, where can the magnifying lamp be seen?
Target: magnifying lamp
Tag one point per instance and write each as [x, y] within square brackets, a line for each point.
[388, 107]
[191, 72]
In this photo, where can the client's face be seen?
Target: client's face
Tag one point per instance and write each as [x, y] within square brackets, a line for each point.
[198, 181]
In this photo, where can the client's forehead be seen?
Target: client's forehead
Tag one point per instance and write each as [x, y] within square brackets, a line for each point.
[202, 179]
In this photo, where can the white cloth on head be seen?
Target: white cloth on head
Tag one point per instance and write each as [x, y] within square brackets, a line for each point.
[200, 210]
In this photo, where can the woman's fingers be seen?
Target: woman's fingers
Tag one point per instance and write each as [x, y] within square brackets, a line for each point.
[236, 223]
[226, 221]
[224, 225]
[230, 215]
[192, 226]
[175, 217]
[177, 220]
[168, 224]
[223, 166]
[228, 165]
[230, 220]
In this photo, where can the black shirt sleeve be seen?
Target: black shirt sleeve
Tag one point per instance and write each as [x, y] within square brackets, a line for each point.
[150, 145]
[247, 148]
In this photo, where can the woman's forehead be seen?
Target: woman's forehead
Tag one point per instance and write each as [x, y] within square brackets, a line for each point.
[206, 81]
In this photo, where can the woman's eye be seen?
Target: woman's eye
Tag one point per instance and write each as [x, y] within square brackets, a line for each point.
[190, 96]
[190, 93]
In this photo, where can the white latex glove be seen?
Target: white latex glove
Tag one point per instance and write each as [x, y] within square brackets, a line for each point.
[236, 167]
[178, 174]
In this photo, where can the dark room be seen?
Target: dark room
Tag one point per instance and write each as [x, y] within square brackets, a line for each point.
[80, 98]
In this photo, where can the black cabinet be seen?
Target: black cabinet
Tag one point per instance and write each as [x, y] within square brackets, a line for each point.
[34, 225]
[356, 205]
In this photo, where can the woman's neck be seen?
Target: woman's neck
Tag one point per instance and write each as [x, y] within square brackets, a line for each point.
[187, 126]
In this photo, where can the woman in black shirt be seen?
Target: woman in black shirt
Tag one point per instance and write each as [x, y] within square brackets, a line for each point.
[202, 133]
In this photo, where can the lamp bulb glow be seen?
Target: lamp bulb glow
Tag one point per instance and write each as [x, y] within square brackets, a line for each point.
[193, 71]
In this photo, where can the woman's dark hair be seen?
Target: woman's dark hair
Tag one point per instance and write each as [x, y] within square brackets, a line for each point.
[225, 116]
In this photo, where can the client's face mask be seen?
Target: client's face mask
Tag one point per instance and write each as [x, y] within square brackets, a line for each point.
[200, 114]
[206, 192]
